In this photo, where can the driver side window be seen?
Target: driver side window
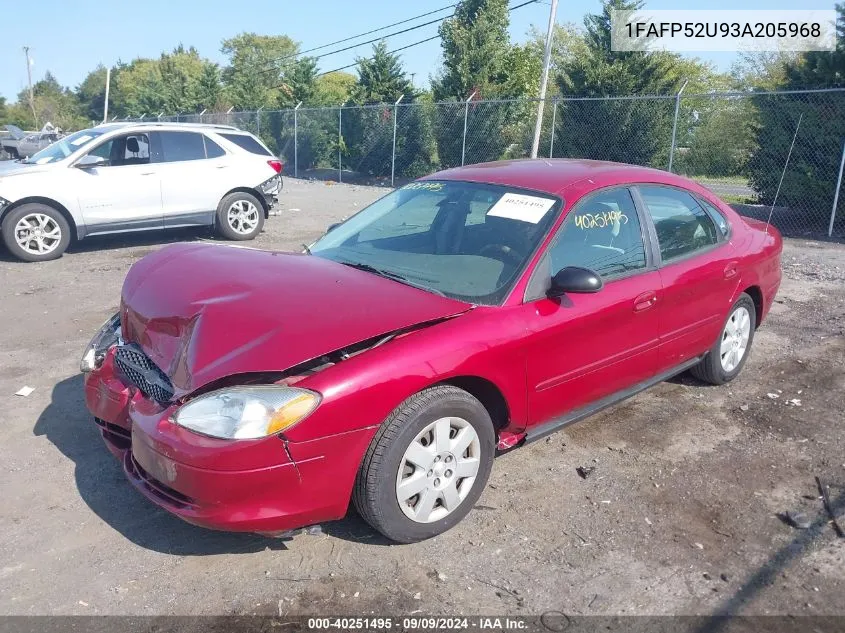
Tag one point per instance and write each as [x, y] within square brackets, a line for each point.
[601, 233]
[130, 149]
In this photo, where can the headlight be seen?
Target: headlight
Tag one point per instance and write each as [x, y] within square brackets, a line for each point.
[106, 337]
[247, 412]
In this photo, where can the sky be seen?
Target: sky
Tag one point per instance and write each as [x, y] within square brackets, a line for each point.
[70, 39]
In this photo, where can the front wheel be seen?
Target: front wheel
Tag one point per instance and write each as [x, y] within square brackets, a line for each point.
[35, 232]
[727, 357]
[427, 465]
[240, 216]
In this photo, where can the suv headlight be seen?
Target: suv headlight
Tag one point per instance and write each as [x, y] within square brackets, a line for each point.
[106, 337]
[247, 412]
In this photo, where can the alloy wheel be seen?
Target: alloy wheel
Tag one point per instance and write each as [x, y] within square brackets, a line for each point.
[735, 338]
[38, 233]
[243, 217]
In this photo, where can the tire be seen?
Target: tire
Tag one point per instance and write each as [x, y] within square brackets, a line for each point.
[713, 368]
[377, 486]
[54, 236]
[250, 216]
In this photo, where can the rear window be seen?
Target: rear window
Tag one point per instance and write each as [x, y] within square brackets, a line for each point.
[247, 143]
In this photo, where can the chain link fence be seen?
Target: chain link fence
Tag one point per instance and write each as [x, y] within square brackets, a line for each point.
[734, 143]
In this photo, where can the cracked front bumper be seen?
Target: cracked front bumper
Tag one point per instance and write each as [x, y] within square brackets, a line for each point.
[268, 485]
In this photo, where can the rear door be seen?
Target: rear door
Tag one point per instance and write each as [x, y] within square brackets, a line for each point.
[698, 271]
[193, 176]
[583, 347]
[124, 194]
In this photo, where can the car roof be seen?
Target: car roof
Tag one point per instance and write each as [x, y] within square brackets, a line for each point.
[211, 127]
[554, 175]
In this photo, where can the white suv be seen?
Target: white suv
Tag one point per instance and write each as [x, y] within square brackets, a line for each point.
[135, 176]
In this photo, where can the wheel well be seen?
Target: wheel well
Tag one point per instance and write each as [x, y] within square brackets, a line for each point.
[488, 394]
[252, 192]
[48, 202]
[757, 297]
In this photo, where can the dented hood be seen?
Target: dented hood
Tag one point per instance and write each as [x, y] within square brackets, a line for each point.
[202, 312]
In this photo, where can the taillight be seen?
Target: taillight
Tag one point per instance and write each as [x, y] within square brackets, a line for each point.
[276, 165]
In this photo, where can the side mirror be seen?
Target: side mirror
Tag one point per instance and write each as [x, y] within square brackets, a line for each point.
[89, 161]
[574, 279]
[332, 227]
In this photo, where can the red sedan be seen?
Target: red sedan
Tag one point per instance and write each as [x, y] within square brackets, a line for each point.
[471, 311]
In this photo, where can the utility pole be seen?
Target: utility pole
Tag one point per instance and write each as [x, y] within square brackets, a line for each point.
[106, 102]
[29, 78]
[544, 79]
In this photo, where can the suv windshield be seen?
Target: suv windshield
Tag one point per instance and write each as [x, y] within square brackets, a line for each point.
[63, 147]
[465, 240]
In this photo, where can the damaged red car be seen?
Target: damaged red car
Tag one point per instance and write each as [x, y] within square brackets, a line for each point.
[459, 316]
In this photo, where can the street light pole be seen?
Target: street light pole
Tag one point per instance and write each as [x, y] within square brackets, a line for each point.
[544, 79]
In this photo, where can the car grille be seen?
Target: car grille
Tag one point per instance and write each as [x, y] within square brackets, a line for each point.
[143, 373]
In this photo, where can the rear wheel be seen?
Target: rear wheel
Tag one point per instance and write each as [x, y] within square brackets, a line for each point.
[427, 465]
[240, 216]
[36, 232]
[727, 357]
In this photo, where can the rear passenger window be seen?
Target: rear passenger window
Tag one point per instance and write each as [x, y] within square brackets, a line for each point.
[717, 217]
[212, 149]
[682, 225]
[248, 143]
[181, 146]
[601, 233]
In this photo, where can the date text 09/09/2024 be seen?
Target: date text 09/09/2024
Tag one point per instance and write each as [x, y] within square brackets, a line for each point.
[420, 623]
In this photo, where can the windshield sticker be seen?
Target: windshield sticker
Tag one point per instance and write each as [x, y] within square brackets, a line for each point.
[519, 207]
[45, 159]
[424, 186]
[600, 220]
[82, 139]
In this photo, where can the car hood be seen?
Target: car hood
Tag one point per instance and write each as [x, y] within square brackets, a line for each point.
[13, 167]
[202, 312]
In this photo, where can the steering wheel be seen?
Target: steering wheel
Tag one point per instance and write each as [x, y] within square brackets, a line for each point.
[504, 254]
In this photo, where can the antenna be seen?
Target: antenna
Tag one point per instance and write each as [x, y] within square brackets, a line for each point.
[794, 136]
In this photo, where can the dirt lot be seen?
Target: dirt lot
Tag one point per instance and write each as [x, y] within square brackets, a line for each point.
[680, 515]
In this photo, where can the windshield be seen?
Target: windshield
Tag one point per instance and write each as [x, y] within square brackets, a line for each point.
[465, 240]
[63, 147]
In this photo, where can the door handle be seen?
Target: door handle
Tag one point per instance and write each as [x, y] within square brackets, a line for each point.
[730, 270]
[221, 167]
[645, 301]
[147, 173]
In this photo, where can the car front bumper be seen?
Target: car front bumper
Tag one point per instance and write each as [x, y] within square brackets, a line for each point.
[269, 485]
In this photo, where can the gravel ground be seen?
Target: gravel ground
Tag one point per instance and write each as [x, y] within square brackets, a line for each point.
[680, 515]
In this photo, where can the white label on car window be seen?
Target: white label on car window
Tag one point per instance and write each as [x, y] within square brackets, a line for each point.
[79, 141]
[520, 207]
[46, 159]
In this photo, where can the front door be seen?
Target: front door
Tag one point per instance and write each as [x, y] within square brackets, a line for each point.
[583, 347]
[124, 194]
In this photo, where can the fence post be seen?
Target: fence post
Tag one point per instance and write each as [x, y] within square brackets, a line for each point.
[258, 121]
[393, 158]
[675, 123]
[201, 113]
[552, 140]
[159, 115]
[466, 114]
[295, 141]
[340, 141]
[836, 195]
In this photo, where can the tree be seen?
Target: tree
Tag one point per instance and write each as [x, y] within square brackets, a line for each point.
[256, 67]
[479, 59]
[54, 103]
[368, 131]
[209, 91]
[633, 131]
[810, 179]
[298, 83]
[333, 88]
[91, 94]
[475, 45]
